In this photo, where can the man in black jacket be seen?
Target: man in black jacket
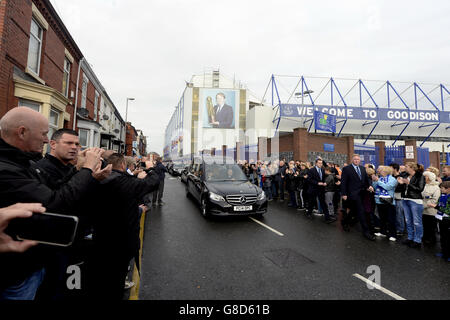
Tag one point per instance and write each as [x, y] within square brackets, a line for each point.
[279, 179]
[354, 182]
[400, 215]
[316, 189]
[161, 170]
[23, 135]
[116, 225]
[64, 148]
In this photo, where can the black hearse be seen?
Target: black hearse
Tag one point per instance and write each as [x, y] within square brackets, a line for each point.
[221, 188]
[176, 169]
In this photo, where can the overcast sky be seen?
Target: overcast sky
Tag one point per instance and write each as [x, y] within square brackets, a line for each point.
[147, 49]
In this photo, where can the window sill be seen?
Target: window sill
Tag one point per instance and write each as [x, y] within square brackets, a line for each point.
[34, 75]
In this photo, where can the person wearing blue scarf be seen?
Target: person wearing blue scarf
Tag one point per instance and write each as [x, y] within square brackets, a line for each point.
[384, 186]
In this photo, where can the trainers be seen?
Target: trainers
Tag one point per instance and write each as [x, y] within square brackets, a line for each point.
[129, 285]
[379, 234]
[392, 239]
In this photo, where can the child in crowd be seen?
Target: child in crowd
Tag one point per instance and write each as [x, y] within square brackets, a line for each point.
[443, 215]
[330, 189]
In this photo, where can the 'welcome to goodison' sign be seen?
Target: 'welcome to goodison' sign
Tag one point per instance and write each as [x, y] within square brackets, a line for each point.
[360, 113]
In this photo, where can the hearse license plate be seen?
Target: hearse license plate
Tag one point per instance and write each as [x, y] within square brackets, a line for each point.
[243, 208]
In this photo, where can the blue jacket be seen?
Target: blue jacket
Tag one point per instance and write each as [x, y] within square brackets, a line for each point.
[389, 187]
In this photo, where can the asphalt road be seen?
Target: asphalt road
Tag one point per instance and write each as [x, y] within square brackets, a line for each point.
[188, 257]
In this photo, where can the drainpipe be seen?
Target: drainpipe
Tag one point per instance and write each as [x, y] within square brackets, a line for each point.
[76, 95]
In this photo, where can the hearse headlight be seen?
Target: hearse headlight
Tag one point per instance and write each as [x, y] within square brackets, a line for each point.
[261, 196]
[216, 197]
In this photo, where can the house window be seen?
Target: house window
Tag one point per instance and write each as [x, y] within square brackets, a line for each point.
[35, 47]
[95, 144]
[84, 137]
[53, 124]
[104, 143]
[66, 78]
[30, 104]
[84, 91]
[96, 105]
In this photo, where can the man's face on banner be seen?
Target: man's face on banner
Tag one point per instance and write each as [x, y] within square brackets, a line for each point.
[220, 99]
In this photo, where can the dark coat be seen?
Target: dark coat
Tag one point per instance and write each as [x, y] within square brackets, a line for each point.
[281, 173]
[302, 181]
[400, 188]
[291, 182]
[415, 187]
[225, 116]
[116, 226]
[20, 182]
[314, 179]
[161, 170]
[58, 172]
[351, 185]
[331, 183]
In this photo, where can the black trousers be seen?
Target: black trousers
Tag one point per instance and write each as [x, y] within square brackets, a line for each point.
[429, 228]
[312, 200]
[444, 229]
[388, 215]
[356, 209]
[158, 194]
[107, 277]
[281, 189]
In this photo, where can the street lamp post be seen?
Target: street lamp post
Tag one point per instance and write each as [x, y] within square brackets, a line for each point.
[126, 112]
[126, 120]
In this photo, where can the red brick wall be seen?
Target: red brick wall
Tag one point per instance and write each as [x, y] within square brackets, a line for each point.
[301, 142]
[15, 23]
[15, 27]
[130, 137]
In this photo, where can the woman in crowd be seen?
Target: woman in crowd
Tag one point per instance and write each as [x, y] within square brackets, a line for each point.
[302, 184]
[370, 205]
[436, 173]
[431, 194]
[266, 179]
[413, 203]
[384, 186]
[291, 184]
[273, 169]
[330, 189]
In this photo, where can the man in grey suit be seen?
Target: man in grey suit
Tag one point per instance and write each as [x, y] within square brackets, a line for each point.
[224, 112]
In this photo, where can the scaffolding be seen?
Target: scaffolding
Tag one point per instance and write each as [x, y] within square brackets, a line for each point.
[375, 96]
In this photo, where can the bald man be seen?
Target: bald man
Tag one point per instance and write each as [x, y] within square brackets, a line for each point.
[23, 136]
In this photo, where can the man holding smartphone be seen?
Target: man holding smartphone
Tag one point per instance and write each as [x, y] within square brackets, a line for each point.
[23, 136]
[18, 210]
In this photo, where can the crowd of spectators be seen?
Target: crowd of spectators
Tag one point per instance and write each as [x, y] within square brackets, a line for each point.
[396, 202]
[102, 188]
[107, 192]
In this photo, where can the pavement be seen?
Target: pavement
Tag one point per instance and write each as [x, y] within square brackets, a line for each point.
[284, 257]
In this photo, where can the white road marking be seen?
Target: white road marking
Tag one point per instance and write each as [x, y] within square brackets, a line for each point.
[267, 227]
[378, 287]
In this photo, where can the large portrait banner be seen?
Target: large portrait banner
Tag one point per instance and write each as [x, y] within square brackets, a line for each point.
[218, 108]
